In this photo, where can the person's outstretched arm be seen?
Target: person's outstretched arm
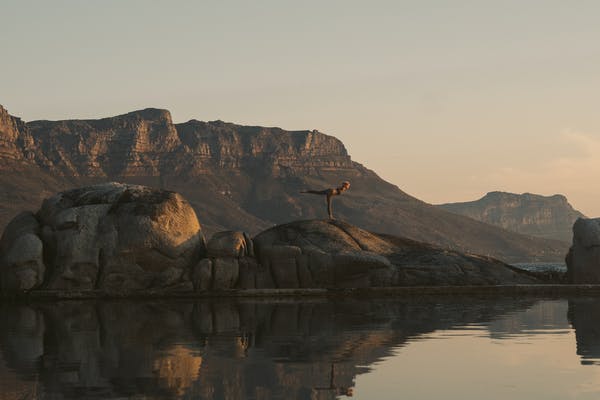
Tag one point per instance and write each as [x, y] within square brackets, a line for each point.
[314, 191]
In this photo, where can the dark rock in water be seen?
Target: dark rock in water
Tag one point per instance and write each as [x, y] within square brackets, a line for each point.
[583, 260]
[112, 237]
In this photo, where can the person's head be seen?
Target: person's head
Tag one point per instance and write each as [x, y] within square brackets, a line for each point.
[345, 185]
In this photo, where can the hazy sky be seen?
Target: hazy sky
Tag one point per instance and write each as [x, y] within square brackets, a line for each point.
[446, 99]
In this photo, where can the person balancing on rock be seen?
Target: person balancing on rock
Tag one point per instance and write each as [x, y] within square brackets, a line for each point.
[330, 193]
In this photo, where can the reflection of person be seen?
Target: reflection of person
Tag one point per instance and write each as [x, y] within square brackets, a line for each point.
[330, 193]
[337, 390]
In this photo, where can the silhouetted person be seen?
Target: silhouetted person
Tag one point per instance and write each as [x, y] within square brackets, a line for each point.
[330, 193]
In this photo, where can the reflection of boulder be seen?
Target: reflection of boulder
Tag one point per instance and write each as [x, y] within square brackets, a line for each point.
[21, 350]
[113, 237]
[583, 260]
[583, 315]
[219, 349]
[177, 369]
[121, 348]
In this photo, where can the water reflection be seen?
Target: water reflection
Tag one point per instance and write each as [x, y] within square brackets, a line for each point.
[241, 349]
[584, 315]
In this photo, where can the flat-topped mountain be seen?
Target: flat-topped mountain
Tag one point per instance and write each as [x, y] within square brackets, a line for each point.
[236, 177]
[550, 217]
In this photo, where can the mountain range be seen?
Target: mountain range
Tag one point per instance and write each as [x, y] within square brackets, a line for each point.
[237, 178]
[550, 217]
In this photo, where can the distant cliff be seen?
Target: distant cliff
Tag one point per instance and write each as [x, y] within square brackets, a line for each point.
[236, 177]
[549, 217]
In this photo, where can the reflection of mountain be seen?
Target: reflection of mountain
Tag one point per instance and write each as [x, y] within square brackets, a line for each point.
[584, 315]
[221, 349]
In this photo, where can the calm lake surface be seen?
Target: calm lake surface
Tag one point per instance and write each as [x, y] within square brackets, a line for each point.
[447, 348]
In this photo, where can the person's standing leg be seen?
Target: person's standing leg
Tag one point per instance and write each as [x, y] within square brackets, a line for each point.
[329, 211]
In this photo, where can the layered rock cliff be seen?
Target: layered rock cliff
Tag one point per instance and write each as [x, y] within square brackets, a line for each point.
[15, 142]
[550, 217]
[236, 177]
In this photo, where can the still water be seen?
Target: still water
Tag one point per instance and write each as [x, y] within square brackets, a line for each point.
[448, 348]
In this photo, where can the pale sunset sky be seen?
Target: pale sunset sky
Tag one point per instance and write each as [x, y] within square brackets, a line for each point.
[446, 99]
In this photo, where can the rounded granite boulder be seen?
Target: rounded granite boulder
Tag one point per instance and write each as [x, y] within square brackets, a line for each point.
[325, 253]
[331, 253]
[113, 237]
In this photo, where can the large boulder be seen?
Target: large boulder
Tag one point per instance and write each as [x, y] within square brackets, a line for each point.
[330, 253]
[112, 237]
[324, 253]
[583, 260]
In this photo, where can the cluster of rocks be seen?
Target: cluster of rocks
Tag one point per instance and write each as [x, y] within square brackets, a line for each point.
[119, 238]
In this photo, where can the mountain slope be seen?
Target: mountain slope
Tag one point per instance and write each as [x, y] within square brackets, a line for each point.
[236, 177]
[550, 217]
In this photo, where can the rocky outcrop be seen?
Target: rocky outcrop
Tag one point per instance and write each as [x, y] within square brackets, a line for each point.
[126, 239]
[583, 259]
[330, 253]
[111, 237]
[245, 178]
[323, 253]
[549, 217]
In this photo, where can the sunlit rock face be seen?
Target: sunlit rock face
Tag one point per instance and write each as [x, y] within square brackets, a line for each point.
[16, 143]
[113, 237]
[583, 259]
